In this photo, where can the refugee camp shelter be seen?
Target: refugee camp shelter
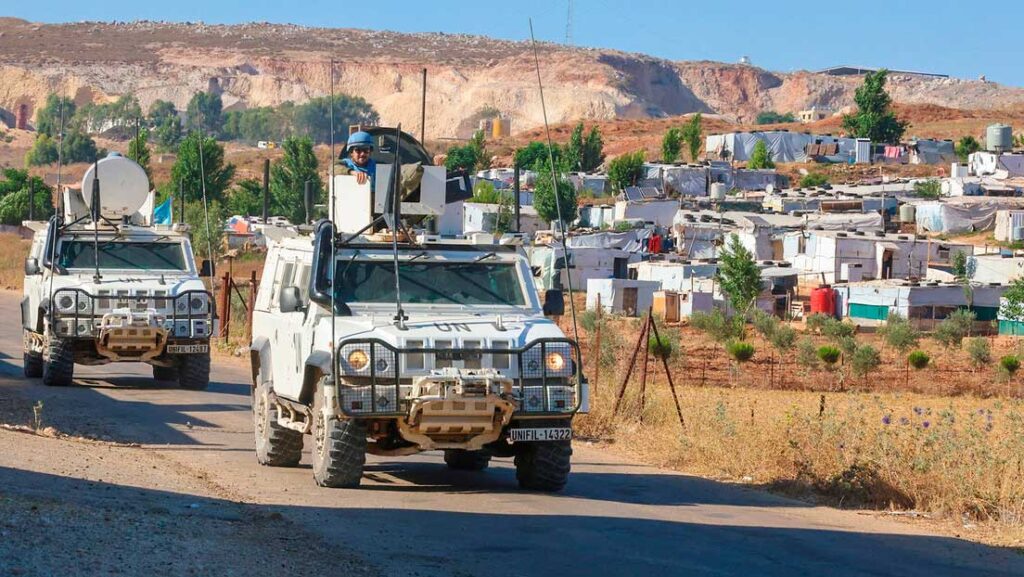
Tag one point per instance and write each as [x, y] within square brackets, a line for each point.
[1001, 268]
[596, 216]
[1009, 225]
[621, 296]
[784, 146]
[962, 214]
[1005, 165]
[657, 211]
[479, 217]
[927, 151]
[673, 275]
[869, 303]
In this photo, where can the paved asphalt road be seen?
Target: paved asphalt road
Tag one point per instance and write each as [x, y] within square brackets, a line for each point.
[414, 517]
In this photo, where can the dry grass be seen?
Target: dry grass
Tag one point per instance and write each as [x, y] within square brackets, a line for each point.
[13, 250]
[957, 452]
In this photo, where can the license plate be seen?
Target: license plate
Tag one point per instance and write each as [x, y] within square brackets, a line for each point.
[538, 435]
[187, 349]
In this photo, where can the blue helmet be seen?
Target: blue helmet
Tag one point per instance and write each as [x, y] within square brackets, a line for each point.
[360, 138]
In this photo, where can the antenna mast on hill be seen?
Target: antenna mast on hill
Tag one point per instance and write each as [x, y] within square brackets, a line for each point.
[568, 26]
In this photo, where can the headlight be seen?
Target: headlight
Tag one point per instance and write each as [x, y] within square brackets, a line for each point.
[358, 360]
[197, 303]
[554, 361]
[65, 303]
[181, 305]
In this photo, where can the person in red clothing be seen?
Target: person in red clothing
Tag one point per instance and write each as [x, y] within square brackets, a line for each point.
[654, 243]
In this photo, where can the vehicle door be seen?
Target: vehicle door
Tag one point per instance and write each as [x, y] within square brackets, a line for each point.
[33, 287]
[287, 341]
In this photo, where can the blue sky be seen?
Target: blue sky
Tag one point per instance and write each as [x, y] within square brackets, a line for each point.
[944, 36]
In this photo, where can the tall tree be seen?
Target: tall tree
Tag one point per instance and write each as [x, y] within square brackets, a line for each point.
[574, 150]
[205, 113]
[671, 145]
[544, 196]
[187, 168]
[874, 118]
[739, 276]
[626, 169]
[461, 158]
[313, 119]
[534, 153]
[48, 117]
[138, 150]
[693, 135]
[289, 175]
[479, 146]
[593, 151]
[246, 198]
[14, 197]
[967, 146]
[760, 157]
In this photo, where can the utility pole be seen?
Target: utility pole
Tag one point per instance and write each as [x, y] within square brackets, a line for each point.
[568, 26]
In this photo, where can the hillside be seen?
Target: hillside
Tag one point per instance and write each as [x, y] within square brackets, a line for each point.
[261, 64]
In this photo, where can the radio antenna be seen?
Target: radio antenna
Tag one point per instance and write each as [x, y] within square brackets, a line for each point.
[394, 212]
[554, 186]
[55, 222]
[206, 207]
[330, 217]
[96, 219]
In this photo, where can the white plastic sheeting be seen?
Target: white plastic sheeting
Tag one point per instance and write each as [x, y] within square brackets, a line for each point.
[586, 264]
[1009, 225]
[686, 180]
[478, 217]
[992, 268]
[621, 296]
[962, 214]
[660, 212]
[932, 152]
[998, 165]
[819, 255]
[783, 146]
[674, 276]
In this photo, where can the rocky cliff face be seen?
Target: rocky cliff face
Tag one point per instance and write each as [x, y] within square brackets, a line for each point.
[267, 64]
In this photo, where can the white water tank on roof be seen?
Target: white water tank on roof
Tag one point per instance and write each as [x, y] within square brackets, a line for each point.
[718, 190]
[123, 186]
[999, 138]
[907, 213]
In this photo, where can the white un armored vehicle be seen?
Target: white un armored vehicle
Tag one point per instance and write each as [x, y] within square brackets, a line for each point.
[103, 285]
[467, 363]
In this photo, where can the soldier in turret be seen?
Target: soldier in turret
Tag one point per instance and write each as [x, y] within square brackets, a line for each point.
[358, 161]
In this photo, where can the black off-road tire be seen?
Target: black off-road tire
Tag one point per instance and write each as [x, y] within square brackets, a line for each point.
[59, 363]
[32, 365]
[463, 460]
[339, 448]
[165, 373]
[194, 372]
[543, 466]
[276, 446]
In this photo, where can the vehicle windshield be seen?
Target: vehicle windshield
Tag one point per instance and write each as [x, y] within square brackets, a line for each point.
[445, 283]
[123, 255]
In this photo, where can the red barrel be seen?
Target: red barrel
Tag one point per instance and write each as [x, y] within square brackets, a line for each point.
[823, 300]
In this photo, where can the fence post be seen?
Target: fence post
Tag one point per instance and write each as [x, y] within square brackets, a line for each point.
[225, 306]
[252, 305]
[597, 344]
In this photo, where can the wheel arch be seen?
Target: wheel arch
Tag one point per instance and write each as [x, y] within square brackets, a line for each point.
[318, 364]
[259, 357]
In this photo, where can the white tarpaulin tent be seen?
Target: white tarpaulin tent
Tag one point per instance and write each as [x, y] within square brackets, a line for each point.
[673, 276]
[783, 146]
[686, 180]
[999, 165]
[585, 264]
[478, 217]
[621, 296]
[932, 152]
[660, 212]
[962, 214]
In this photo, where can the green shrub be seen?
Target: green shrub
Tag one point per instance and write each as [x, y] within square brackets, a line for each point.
[718, 325]
[930, 189]
[813, 180]
[836, 329]
[918, 359]
[1009, 364]
[740, 351]
[898, 333]
[954, 329]
[864, 360]
[806, 354]
[979, 352]
[765, 324]
[783, 338]
[848, 345]
[589, 320]
[661, 348]
[817, 321]
[829, 354]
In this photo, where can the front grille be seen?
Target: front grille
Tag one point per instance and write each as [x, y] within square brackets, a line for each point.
[76, 313]
[543, 384]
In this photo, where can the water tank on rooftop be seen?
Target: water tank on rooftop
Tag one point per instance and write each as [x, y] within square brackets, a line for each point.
[907, 213]
[999, 138]
[718, 190]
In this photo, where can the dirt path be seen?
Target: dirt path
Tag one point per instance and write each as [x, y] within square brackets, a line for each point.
[187, 497]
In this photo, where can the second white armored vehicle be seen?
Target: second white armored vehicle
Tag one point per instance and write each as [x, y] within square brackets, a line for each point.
[475, 370]
[104, 284]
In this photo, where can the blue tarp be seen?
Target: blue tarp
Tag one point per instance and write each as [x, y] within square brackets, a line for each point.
[163, 213]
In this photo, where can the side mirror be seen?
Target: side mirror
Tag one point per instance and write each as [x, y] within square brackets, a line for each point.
[554, 303]
[206, 268]
[291, 299]
[32, 266]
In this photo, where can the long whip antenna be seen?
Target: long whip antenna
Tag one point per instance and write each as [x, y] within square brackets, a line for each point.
[60, 193]
[554, 186]
[330, 217]
[96, 214]
[206, 206]
[396, 224]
